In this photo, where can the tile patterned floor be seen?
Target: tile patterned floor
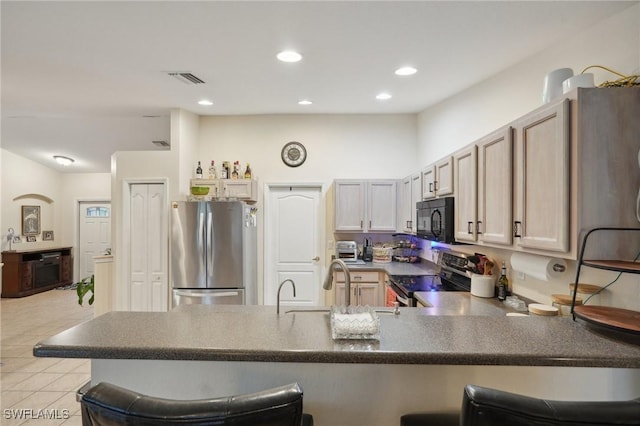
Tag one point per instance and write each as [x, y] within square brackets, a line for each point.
[40, 390]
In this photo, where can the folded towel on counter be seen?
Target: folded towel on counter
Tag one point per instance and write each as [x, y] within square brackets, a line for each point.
[355, 324]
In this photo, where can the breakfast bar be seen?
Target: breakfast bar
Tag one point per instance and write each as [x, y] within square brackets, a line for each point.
[421, 361]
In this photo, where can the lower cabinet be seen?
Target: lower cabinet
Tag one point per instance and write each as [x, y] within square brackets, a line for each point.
[367, 288]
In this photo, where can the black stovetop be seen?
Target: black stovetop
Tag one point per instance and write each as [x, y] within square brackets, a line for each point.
[410, 284]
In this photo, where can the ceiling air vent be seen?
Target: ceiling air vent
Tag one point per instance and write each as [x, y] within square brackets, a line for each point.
[186, 77]
[161, 144]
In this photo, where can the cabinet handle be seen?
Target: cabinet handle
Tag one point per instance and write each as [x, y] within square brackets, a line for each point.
[409, 224]
[369, 224]
[356, 277]
[361, 224]
[430, 186]
[478, 224]
[469, 227]
[516, 229]
[435, 185]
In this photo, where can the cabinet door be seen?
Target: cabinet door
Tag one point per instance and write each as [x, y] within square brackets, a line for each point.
[26, 275]
[368, 294]
[416, 195]
[349, 206]
[443, 184]
[466, 194]
[382, 206]
[405, 204]
[542, 200]
[428, 180]
[495, 189]
[240, 189]
[340, 294]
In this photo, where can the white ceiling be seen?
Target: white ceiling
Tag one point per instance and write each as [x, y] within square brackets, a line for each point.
[85, 79]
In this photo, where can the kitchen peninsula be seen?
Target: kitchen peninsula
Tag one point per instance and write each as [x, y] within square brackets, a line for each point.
[420, 363]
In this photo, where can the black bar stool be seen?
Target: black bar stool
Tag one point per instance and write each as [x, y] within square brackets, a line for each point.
[106, 404]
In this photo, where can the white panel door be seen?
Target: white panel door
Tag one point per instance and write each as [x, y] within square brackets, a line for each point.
[293, 245]
[94, 234]
[148, 277]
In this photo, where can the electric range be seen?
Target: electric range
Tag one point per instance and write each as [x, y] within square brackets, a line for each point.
[451, 277]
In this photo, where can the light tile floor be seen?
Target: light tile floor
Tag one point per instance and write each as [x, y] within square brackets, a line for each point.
[37, 389]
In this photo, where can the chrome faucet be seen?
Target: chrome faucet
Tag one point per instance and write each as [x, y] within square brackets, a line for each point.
[328, 281]
[280, 288]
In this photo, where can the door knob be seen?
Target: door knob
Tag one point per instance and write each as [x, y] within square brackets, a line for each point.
[315, 259]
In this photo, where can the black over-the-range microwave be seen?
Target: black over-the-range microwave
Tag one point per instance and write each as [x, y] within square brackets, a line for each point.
[435, 220]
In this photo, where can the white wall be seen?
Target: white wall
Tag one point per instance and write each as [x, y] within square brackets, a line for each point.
[22, 176]
[338, 146]
[461, 119]
[473, 113]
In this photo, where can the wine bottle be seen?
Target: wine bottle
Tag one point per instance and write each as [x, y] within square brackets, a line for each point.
[503, 283]
[224, 172]
[199, 171]
[212, 171]
[235, 174]
[247, 172]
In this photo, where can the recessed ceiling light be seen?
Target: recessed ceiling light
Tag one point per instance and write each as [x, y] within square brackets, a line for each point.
[383, 96]
[205, 102]
[61, 159]
[406, 71]
[289, 56]
[304, 102]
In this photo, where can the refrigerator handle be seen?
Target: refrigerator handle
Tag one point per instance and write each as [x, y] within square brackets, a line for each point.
[208, 241]
[187, 293]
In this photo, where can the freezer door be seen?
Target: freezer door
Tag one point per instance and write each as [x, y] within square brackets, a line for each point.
[208, 297]
[188, 244]
[225, 246]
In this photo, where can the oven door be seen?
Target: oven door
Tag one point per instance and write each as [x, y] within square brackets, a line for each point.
[393, 296]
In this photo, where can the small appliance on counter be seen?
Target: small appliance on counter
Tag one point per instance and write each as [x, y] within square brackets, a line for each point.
[367, 250]
[347, 251]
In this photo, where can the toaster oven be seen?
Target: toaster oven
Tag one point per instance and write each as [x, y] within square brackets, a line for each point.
[347, 251]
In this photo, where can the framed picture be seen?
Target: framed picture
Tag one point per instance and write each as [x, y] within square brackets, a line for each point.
[47, 235]
[30, 220]
[17, 239]
[31, 239]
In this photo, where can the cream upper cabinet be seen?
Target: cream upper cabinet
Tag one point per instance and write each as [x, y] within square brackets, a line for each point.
[382, 203]
[410, 194]
[350, 199]
[542, 201]
[240, 189]
[465, 183]
[366, 206]
[495, 188]
[437, 179]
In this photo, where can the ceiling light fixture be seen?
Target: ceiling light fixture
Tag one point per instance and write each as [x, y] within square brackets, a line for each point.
[65, 161]
[383, 96]
[289, 56]
[205, 102]
[404, 71]
[304, 102]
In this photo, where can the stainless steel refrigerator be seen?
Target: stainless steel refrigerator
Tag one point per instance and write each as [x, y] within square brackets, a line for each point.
[213, 253]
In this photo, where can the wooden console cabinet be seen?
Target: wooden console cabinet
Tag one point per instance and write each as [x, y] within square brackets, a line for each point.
[28, 272]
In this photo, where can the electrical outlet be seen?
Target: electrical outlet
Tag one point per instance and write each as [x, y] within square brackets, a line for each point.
[520, 275]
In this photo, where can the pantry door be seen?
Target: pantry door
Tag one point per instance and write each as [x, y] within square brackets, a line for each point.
[294, 248]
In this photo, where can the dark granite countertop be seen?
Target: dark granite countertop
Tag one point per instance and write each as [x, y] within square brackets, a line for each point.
[256, 333]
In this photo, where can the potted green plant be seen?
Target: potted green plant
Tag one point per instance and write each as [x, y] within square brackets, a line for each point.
[83, 287]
